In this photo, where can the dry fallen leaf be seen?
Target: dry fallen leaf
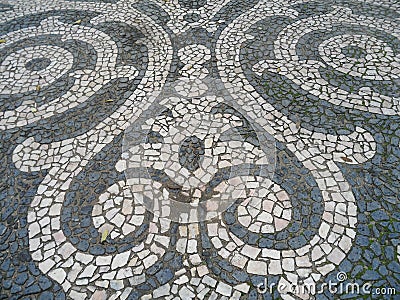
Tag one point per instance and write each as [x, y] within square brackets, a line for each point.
[78, 22]
[104, 235]
[109, 100]
[278, 70]
[34, 109]
[346, 159]
[38, 88]
[2, 41]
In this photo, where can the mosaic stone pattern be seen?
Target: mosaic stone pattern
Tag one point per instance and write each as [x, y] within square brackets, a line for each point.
[279, 119]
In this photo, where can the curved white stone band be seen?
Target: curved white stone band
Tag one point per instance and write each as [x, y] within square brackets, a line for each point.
[47, 243]
[337, 230]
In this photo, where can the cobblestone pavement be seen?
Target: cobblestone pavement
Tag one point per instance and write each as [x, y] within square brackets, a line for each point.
[199, 149]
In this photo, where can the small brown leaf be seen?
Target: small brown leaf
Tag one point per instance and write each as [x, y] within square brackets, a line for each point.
[104, 235]
[34, 108]
[346, 159]
[278, 69]
[78, 22]
[109, 100]
[2, 41]
[38, 88]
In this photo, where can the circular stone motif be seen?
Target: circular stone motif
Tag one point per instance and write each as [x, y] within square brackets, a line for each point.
[38, 64]
[378, 63]
[79, 67]
[354, 51]
[19, 70]
[117, 213]
[309, 52]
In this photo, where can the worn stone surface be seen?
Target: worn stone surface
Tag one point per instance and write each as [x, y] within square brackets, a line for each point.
[322, 78]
